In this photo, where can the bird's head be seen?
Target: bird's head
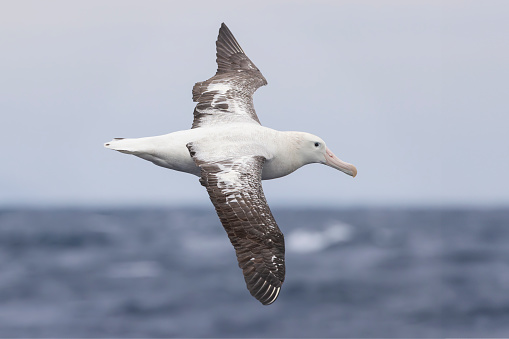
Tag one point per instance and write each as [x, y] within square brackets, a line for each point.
[314, 150]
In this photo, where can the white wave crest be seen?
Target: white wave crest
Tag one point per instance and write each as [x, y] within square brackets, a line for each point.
[308, 241]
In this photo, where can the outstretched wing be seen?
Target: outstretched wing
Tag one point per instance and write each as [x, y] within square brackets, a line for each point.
[228, 96]
[235, 189]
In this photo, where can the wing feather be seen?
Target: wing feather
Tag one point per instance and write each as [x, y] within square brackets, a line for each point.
[235, 189]
[227, 97]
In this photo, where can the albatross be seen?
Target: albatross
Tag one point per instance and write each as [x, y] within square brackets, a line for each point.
[231, 153]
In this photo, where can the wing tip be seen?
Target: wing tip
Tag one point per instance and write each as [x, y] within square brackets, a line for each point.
[226, 40]
[262, 290]
[226, 47]
[271, 297]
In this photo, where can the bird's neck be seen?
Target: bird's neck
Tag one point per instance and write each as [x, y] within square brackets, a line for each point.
[286, 159]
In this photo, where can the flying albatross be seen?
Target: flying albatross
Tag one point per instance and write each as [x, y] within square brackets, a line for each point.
[232, 153]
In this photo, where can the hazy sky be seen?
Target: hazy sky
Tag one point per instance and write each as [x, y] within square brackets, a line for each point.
[414, 93]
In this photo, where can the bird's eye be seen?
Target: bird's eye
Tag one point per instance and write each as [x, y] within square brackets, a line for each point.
[317, 144]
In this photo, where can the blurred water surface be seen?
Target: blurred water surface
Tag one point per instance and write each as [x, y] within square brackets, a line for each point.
[166, 273]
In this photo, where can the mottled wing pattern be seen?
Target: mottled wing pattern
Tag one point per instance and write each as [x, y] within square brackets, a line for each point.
[228, 96]
[235, 189]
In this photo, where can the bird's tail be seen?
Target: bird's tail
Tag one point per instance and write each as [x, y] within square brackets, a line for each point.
[129, 146]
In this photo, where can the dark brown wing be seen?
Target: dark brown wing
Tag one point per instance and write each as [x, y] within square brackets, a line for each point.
[235, 189]
[227, 97]
[230, 57]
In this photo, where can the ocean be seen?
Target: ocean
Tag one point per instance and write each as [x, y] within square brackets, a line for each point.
[363, 272]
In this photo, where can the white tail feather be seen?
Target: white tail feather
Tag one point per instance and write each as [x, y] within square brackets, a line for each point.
[129, 146]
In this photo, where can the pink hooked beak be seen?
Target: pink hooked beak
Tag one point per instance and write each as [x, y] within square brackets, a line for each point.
[333, 161]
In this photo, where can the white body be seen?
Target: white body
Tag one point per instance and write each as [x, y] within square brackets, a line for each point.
[279, 148]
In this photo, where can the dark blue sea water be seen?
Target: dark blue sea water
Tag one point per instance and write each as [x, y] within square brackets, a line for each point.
[173, 273]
